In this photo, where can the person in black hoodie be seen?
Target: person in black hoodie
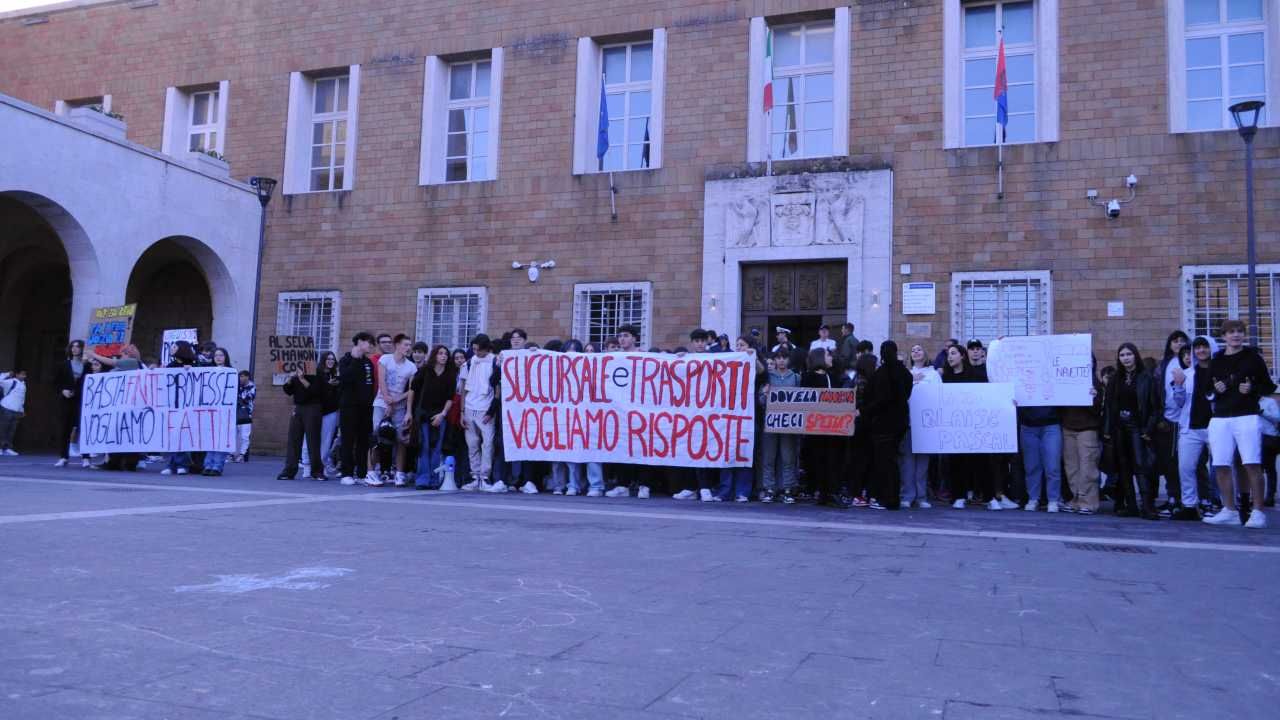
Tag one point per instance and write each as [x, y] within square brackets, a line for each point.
[355, 407]
[1130, 413]
[825, 450]
[308, 413]
[1240, 377]
[888, 417]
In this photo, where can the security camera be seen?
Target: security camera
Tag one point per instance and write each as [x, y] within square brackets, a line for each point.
[1131, 181]
[516, 264]
[1113, 209]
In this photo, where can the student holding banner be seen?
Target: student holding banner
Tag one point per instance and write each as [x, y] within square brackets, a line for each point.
[1082, 449]
[914, 467]
[778, 450]
[825, 452]
[215, 461]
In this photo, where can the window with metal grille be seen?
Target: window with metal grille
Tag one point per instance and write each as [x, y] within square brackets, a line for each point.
[310, 314]
[451, 316]
[599, 309]
[987, 306]
[1214, 293]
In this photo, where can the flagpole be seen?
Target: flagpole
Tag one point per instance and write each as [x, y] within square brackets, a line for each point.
[613, 201]
[999, 167]
[768, 145]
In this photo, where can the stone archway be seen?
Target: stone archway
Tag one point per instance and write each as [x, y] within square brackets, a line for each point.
[179, 282]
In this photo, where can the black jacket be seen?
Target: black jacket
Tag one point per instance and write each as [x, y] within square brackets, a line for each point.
[1232, 370]
[355, 378]
[888, 394]
[310, 394]
[1149, 409]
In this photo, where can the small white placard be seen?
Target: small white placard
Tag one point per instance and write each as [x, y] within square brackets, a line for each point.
[1115, 308]
[919, 298]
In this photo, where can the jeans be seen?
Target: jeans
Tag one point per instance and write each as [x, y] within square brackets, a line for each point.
[778, 461]
[179, 460]
[595, 475]
[1192, 445]
[1042, 458]
[1082, 450]
[566, 475]
[735, 482]
[215, 461]
[8, 427]
[430, 453]
[914, 470]
[479, 443]
[328, 429]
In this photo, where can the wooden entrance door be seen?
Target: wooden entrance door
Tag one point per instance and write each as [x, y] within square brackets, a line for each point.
[799, 295]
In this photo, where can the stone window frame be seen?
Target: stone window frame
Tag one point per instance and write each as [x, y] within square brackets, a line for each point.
[1200, 320]
[435, 116]
[64, 107]
[583, 293]
[298, 135]
[178, 102]
[758, 131]
[1177, 54]
[286, 301]
[1047, 59]
[999, 280]
[587, 99]
[459, 334]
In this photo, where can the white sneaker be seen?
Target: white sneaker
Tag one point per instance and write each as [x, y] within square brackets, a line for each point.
[1031, 506]
[685, 494]
[959, 504]
[498, 487]
[348, 480]
[923, 504]
[995, 505]
[573, 491]
[85, 463]
[528, 488]
[182, 471]
[705, 495]
[643, 492]
[400, 481]
[166, 471]
[372, 480]
[594, 493]
[1257, 520]
[557, 491]
[62, 462]
[472, 486]
[742, 498]
[1053, 507]
[1224, 517]
[10, 452]
[1008, 504]
[618, 492]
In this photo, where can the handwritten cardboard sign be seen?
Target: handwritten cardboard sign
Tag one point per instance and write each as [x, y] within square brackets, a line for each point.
[290, 353]
[160, 411]
[1044, 369]
[810, 411]
[958, 418]
[110, 328]
[639, 408]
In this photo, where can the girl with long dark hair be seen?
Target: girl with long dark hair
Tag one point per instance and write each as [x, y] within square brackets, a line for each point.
[215, 461]
[825, 451]
[69, 380]
[1130, 413]
[433, 390]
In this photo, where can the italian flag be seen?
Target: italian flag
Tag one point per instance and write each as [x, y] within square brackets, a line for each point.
[768, 70]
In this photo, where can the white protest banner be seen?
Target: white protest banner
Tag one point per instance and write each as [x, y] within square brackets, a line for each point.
[161, 411]
[638, 408]
[169, 342]
[1044, 369]
[957, 418]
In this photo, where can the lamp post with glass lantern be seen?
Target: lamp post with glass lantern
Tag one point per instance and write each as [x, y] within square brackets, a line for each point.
[1245, 115]
[264, 186]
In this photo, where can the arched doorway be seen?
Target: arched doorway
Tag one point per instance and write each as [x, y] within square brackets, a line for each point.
[36, 295]
[172, 292]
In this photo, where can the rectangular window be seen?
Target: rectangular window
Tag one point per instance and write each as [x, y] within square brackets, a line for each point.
[311, 314]
[983, 25]
[1214, 293]
[802, 122]
[451, 316]
[991, 305]
[599, 309]
[467, 141]
[203, 125]
[329, 133]
[628, 86]
[1225, 59]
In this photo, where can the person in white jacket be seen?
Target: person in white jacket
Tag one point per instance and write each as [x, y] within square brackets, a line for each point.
[12, 408]
[914, 467]
[1194, 396]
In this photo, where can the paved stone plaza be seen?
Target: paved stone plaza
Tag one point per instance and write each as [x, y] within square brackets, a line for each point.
[149, 597]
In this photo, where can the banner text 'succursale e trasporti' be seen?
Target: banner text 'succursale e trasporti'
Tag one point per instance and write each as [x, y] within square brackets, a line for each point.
[161, 411]
[638, 408]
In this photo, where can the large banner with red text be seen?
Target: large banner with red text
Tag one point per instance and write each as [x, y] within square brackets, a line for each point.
[160, 411]
[638, 408]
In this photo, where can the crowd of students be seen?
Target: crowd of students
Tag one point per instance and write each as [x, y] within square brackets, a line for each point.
[394, 412]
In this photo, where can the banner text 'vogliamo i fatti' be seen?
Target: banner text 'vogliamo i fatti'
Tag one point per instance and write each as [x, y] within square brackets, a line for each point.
[162, 411]
[640, 408]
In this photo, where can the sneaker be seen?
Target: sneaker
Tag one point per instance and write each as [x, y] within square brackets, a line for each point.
[685, 494]
[788, 498]
[1053, 507]
[875, 505]
[167, 471]
[331, 471]
[372, 480]
[958, 504]
[557, 491]
[10, 452]
[85, 463]
[528, 488]
[62, 462]
[1008, 504]
[617, 492]
[766, 496]
[716, 498]
[400, 480]
[859, 502]
[348, 480]
[705, 495]
[182, 471]
[742, 498]
[472, 486]
[643, 492]
[995, 505]
[1086, 511]
[1224, 517]
[1031, 506]
[498, 487]
[1257, 520]
[594, 493]
[923, 504]
[573, 491]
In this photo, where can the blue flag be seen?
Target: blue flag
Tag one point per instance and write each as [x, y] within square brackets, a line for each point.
[602, 132]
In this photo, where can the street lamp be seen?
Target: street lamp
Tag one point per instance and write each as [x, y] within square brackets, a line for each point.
[1246, 116]
[265, 186]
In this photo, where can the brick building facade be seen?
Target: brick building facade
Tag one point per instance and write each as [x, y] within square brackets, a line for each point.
[1113, 89]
